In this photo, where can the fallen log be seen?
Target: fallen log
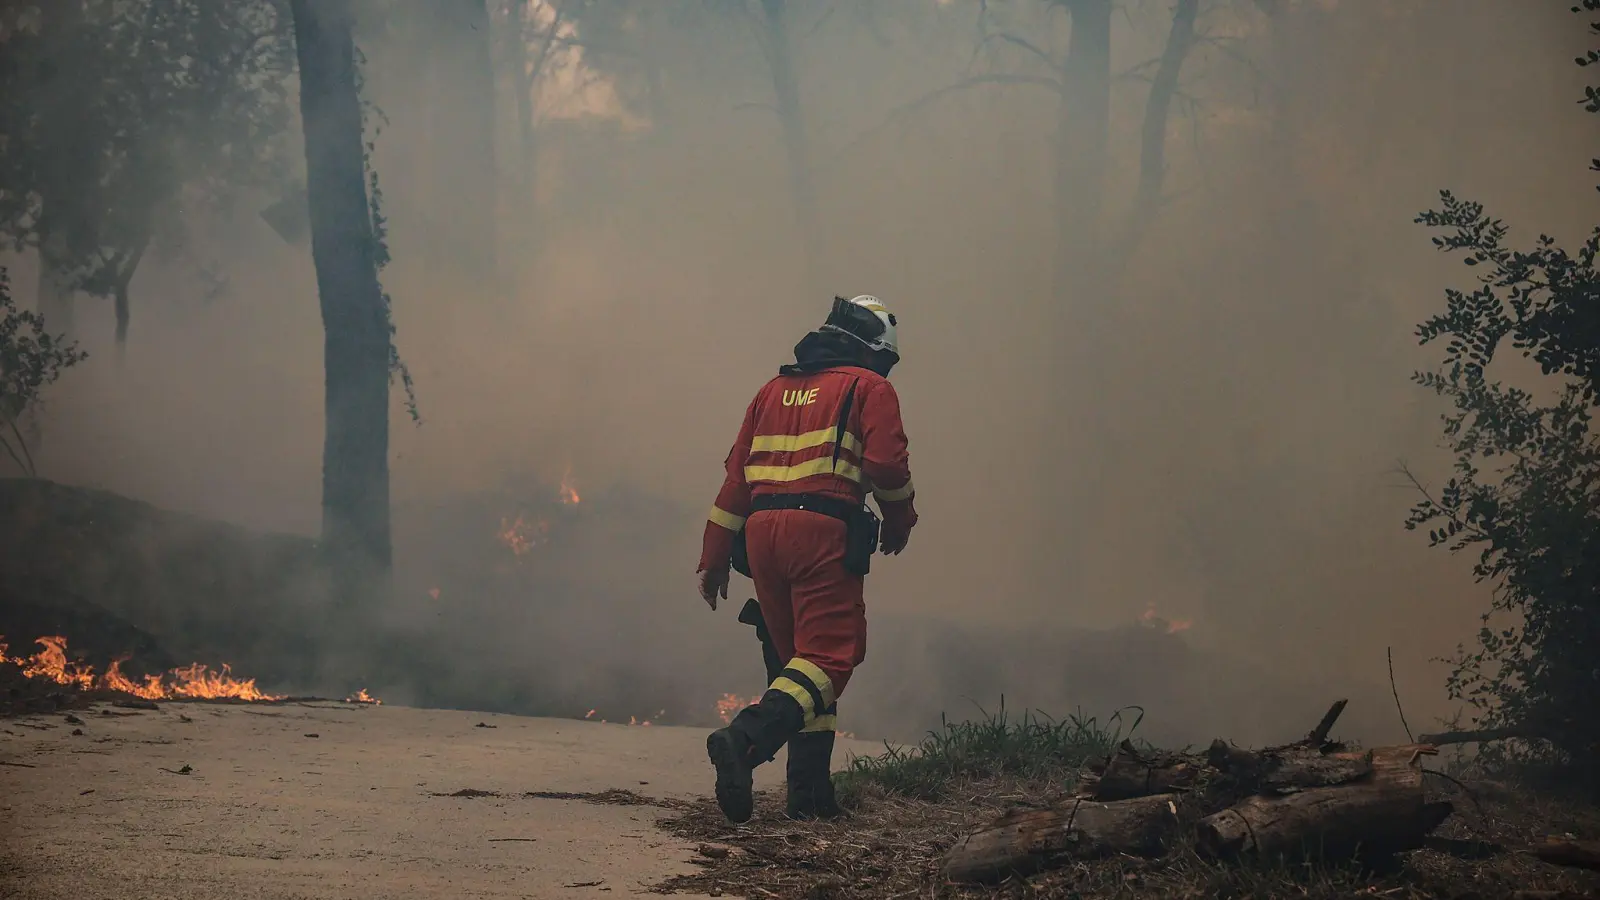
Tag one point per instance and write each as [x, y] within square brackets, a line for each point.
[1579, 854]
[1129, 774]
[1383, 811]
[1286, 769]
[1023, 842]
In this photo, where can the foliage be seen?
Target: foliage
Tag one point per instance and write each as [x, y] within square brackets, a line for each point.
[1033, 746]
[1526, 490]
[166, 106]
[372, 123]
[30, 360]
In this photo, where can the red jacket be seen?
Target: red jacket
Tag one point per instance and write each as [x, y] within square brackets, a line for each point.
[786, 446]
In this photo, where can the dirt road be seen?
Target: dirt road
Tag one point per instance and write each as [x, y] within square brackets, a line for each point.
[336, 801]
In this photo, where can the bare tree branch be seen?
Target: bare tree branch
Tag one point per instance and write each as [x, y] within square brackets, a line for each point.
[906, 110]
[6, 446]
[1136, 71]
[1025, 44]
[1153, 138]
[22, 444]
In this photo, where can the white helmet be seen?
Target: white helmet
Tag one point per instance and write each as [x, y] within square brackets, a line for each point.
[866, 319]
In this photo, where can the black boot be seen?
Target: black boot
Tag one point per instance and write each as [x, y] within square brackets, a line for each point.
[810, 776]
[754, 737]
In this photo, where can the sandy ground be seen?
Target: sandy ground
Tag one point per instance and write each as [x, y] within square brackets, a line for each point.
[337, 801]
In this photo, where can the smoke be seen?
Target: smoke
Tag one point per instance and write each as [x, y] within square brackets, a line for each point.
[648, 277]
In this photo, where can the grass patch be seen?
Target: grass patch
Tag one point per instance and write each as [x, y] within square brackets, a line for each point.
[1032, 747]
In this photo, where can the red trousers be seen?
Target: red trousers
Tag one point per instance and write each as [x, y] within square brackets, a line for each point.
[813, 607]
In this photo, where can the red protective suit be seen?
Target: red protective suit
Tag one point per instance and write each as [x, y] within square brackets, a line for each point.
[812, 605]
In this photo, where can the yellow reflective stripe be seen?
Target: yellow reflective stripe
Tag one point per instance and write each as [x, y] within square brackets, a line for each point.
[726, 519]
[891, 495]
[816, 676]
[799, 693]
[823, 723]
[789, 443]
[875, 307]
[819, 466]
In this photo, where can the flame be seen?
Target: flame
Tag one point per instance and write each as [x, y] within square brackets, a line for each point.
[1150, 618]
[522, 536]
[151, 689]
[193, 682]
[362, 696]
[730, 704]
[433, 592]
[569, 490]
[52, 663]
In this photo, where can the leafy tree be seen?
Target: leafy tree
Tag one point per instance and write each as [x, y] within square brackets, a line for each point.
[122, 120]
[30, 360]
[1526, 490]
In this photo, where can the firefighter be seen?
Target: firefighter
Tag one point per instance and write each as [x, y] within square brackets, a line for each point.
[815, 440]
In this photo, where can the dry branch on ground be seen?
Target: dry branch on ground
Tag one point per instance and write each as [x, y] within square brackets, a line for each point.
[996, 828]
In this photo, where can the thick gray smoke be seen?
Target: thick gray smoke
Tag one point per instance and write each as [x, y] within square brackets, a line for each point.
[648, 275]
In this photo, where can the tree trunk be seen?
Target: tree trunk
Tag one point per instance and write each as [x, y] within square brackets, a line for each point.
[1083, 123]
[464, 136]
[1079, 313]
[1026, 841]
[54, 300]
[65, 223]
[791, 119]
[355, 317]
[121, 299]
[1384, 811]
[123, 269]
[526, 71]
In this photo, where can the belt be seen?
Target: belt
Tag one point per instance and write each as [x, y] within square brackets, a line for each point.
[833, 507]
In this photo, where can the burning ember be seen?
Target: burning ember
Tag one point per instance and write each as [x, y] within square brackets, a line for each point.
[362, 696]
[1151, 619]
[522, 536]
[632, 720]
[192, 682]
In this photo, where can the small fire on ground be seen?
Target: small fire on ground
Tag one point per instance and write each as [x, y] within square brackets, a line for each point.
[632, 720]
[730, 704]
[568, 492]
[1152, 619]
[522, 534]
[195, 681]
